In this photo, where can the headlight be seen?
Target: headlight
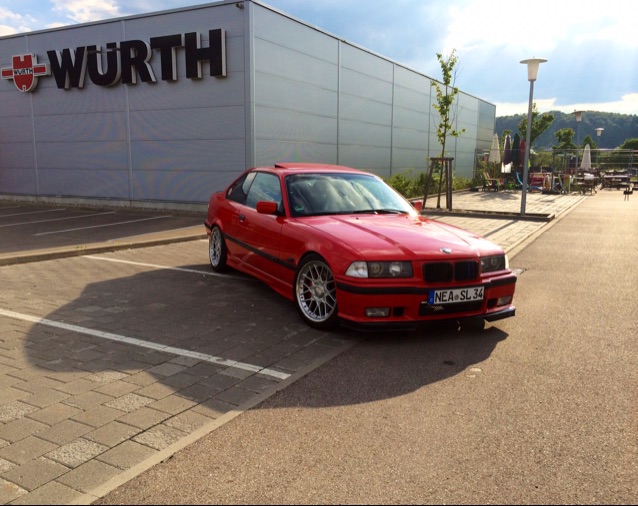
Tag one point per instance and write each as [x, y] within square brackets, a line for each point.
[361, 269]
[494, 263]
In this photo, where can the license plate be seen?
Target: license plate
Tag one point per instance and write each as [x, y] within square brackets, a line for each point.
[455, 295]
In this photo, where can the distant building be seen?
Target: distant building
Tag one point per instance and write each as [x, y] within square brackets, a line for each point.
[167, 107]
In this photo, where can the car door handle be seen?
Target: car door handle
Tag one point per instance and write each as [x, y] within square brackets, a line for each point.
[242, 217]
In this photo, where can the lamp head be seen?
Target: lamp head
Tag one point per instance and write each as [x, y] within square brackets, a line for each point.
[579, 115]
[532, 67]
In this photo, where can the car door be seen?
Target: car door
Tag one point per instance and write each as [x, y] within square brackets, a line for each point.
[259, 235]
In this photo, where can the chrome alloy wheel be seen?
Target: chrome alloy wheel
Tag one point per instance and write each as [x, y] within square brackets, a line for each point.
[315, 291]
[217, 250]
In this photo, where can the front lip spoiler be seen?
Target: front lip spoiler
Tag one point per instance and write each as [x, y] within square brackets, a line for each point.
[500, 315]
[412, 325]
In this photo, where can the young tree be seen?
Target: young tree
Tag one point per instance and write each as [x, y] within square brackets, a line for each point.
[540, 123]
[445, 97]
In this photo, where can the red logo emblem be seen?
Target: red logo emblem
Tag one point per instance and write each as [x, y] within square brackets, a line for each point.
[25, 72]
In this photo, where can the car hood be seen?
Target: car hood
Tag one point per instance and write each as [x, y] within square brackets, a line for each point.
[393, 236]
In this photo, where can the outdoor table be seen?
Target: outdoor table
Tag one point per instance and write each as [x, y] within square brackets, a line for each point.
[616, 181]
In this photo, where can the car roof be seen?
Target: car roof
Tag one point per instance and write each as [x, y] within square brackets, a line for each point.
[300, 167]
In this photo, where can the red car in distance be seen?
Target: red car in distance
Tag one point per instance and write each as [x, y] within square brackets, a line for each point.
[347, 248]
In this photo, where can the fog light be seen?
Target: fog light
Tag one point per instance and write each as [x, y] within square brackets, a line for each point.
[504, 301]
[377, 312]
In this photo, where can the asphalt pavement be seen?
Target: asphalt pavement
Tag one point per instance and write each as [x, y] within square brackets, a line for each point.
[537, 409]
[80, 413]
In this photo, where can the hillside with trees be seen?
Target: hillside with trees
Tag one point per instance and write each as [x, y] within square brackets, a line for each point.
[618, 128]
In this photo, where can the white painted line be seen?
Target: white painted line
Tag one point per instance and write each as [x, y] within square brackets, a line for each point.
[100, 226]
[55, 219]
[32, 212]
[155, 266]
[146, 344]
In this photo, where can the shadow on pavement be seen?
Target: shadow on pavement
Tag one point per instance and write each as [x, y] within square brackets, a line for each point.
[236, 318]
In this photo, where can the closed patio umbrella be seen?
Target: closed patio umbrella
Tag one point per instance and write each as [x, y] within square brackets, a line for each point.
[585, 163]
[516, 150]
[495, 152]
[507, 151]
[507, 155]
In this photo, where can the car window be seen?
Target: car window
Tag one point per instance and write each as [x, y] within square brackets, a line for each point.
[313, 194]
[239, 191]
[264, 187]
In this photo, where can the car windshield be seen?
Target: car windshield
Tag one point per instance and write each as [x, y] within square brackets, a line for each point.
[321, 194]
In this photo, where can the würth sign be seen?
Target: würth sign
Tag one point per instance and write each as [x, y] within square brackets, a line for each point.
[125, 62]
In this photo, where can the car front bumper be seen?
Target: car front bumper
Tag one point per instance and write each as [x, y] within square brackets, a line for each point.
[409, 306]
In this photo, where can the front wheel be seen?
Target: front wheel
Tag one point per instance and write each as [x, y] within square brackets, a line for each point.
[315, 293]
[217, 252]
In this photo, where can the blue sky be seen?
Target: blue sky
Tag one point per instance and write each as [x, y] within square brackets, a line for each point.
[591, 46]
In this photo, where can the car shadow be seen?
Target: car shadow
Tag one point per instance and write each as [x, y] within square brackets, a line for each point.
[389, 365]
[234, 318]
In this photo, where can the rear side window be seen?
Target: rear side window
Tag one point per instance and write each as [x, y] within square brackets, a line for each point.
[239, 191]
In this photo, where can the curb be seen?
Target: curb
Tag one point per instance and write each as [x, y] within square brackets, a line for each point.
[92, 249]
[489, 214]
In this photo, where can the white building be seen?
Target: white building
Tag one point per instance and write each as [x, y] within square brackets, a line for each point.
[164, 108]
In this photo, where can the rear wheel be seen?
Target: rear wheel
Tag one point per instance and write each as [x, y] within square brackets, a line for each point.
[217, 252]
[315, 293]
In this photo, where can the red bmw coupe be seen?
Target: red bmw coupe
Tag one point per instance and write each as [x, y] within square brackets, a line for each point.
[347, 248]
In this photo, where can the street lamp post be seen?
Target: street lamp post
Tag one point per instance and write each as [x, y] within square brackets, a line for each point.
[579, 118]
[599, 132]
[532, 72]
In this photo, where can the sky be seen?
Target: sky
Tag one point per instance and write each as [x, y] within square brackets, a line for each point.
[591, 47]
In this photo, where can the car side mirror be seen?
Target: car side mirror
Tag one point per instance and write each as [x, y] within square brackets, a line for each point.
[267, 207]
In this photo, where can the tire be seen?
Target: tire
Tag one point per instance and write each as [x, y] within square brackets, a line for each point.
[315, 293]
[217, 252]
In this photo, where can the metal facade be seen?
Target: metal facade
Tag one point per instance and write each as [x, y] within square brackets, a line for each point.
[291, 93]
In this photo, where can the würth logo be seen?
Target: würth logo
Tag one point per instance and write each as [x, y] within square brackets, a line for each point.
[123, 62]
[25, 72]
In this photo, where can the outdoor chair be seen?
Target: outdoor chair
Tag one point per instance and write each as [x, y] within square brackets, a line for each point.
[529, 186]
[490, 183]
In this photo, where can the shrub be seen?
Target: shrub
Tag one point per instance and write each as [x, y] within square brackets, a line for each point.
[411, 186]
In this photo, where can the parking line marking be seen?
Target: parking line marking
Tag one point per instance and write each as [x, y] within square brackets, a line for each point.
[32, 212]
[99, 226]
[55, 219]
[155, 266]
[147, 344]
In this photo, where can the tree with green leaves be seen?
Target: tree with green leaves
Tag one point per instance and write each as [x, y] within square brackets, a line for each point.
[588, 141]
[565, 137]
[630, 144]
[540, 123]
[566, 147]
[445, 98]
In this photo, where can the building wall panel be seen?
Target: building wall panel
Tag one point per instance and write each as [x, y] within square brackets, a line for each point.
[292, 92]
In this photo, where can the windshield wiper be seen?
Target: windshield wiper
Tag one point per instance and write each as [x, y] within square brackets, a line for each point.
[388, 211]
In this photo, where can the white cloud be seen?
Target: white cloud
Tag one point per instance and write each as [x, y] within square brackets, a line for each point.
[538, 27]
[628, 104]
[12, 22]
[84, 11]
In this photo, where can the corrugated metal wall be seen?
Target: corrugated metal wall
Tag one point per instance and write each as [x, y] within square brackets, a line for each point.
[291, 93]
